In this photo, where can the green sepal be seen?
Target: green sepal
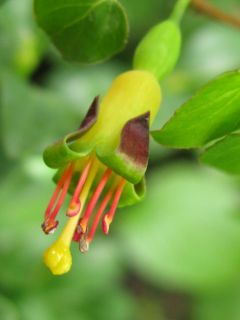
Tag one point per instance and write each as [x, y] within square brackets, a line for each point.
[120, 164]
[60, 153]
[133, 193]
[159, 50]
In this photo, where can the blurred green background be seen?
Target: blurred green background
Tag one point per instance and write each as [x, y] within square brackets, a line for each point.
[174, 256]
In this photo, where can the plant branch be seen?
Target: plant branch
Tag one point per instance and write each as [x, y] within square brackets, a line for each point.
[206, 8]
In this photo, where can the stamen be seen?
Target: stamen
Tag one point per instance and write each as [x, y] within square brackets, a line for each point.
[58, 256]
[49, 225]
[77, 234]
[84, 244]
[62, 197]
[93, 201]
[100, 211]
[108, 218]
[75, 204]
[57, 190]
[72, 224]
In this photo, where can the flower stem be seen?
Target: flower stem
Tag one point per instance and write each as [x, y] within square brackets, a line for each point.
[179, 10]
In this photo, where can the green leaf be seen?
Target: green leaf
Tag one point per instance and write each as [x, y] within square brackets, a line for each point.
[224, 154]
[212, 113]
[84, 31]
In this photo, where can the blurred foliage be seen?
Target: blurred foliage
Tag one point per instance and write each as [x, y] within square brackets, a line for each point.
[21, 43]
[40, 110]
[191, 242]
[174, 256]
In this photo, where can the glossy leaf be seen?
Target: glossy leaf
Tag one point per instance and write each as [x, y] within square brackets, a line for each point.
[84, 31]
[213, 112]
[224, 155]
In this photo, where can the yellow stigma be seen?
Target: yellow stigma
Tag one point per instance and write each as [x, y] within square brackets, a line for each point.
[58, 257]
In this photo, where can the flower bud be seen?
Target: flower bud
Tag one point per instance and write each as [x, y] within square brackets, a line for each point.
[159, 50]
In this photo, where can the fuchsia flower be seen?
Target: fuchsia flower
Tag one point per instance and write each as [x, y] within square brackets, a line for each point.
[102, 164]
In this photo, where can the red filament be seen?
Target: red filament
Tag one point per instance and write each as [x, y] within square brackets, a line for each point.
[99, 213]
[108, 218]
[62, 196]
[49, 225]
[67, 172]
[75, 204]
[93, 201]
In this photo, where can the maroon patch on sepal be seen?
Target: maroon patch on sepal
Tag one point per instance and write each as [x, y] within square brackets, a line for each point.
[135, 139]
[88, 121]
[91, 116]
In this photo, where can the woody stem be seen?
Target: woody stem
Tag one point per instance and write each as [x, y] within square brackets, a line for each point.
[210, 10]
